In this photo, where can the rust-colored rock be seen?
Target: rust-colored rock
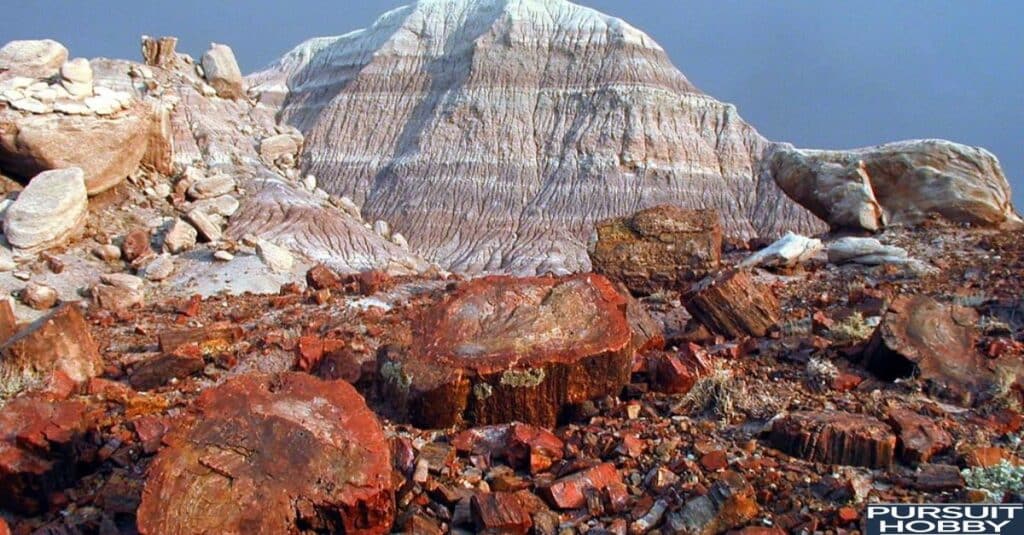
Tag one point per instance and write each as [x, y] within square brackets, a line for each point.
[500, 512]
[157, 371]
[211, 339]
[500, 349]
[919, 437]
[729, 503]
[731, 303]
[676, 373]
[57, 344]
[648, 333]
[159, 52]
[41, 443]
[272, 454]
[320, 277]
[834, 437]
[570, 492]
[533, 448]
[136, 245]
[8, 321]
[660, 247]
[920, 337]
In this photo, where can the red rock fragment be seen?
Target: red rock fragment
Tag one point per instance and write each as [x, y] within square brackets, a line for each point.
[321, 277]
[676, 373]
[502, 349]
[136, 245]
[42, 445]
[715, 461]
[847, 515]
[310, 350]
[159, 370]
[920, 337]
[500, 512]
[272, 454]
[151, 431]
[846, 381]
[4, 528]
[569, 491]
[834, 437]
[56, 348]
[988, 456]
[533, 448]
[8, 322]
[729, 503]
[938, 478]
[211, 339]
[919, 437]
[732, 304]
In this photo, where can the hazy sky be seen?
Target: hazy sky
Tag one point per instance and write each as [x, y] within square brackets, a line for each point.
[818, 74]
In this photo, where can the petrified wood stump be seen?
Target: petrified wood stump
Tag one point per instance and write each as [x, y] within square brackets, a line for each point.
[834, 437]
[272, 454]
[921, 337]
[501, 349]
[733, 304]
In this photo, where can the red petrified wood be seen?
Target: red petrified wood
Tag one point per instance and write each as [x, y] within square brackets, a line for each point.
[570, 491]
[56, 347]
[500, 512]
[272, 454]
[919, 437]
[835, 437]
[500, 349]
[733, 304]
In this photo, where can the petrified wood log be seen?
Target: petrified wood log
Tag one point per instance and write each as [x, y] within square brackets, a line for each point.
[920, 437]
[731, 303]
[211, 339]
[272, 454]
[500, 349]
[920, 337]
[835, 437]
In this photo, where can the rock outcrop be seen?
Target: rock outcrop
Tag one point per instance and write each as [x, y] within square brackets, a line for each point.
[272, 454]
[897, 183]
[48, 211]
[477, 131]
[32, 58]
[221, 71]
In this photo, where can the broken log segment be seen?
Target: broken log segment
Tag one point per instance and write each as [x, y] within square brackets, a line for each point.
[211, 339]
[835, 437]
[501, 349]
[733, 304]
[272, 454]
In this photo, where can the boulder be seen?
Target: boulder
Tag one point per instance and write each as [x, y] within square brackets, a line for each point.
[272, 454]
[33, 58]
[789, 250]
[277, 258]
[159, 268]
[834, 437]
[39, 296]
[658, 247]
[935, 342]
[136, 245]
[107, 148]
[56, 347]
[222, 73]
[733, 304]
[274, 147]
[48, 211]
[180, 237]
[499, 349]
[212, 186]
[897, 183]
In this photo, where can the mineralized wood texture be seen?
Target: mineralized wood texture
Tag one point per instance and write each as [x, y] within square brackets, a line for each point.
[493, 134]
[272, 454]
[733, 304]
[502, 349]
[834, 437]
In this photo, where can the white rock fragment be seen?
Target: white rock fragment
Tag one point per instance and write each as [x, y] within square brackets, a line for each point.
[180, 237]
[76, 77]
[206, 224]
[208, 187]
[48, 211]
[222, 73]
[382, 228]
[39, 296]
[160, 268]
[275, 257]
[789, 250]
[399, 240]
[6, 259]
[223, 256]
[868, 251]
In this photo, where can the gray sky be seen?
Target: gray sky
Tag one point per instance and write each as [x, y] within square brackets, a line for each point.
[817, 74]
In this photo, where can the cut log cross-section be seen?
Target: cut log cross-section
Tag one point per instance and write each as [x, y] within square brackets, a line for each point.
[733, 304]
[284, 453]
[500, 349]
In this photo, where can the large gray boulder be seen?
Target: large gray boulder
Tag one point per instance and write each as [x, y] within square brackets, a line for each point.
[48, 211]
[897, 183]
[40, 58]
[221, 71]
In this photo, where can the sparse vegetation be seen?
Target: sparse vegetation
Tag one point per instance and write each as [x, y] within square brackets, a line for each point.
[999, 479]
[820, 373]
[713, 395]
[851, 330]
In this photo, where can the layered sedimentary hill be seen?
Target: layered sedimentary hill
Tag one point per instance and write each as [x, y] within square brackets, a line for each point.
[494, 133]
